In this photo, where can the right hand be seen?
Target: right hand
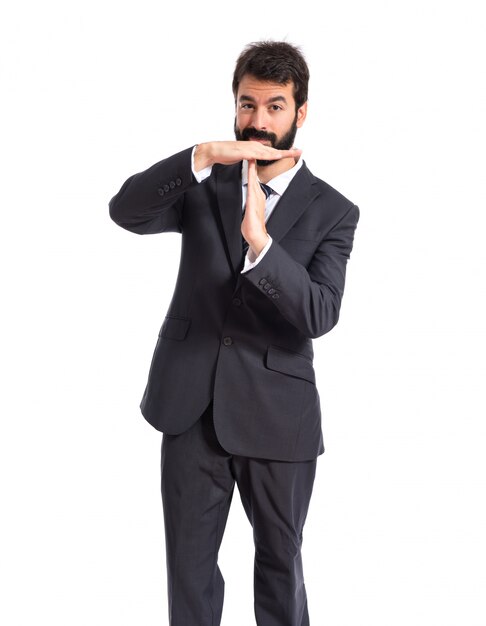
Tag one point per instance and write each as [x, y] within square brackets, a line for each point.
[229, 152]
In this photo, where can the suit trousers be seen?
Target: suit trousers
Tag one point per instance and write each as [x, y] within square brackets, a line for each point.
[197, 480]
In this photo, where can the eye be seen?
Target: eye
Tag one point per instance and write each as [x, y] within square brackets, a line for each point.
[275, 107]
[246, 106]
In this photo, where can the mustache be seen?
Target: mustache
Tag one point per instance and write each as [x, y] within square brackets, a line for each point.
[252, 133]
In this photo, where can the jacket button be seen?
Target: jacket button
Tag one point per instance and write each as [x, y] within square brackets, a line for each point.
[172, 184]
[178, 182]
[160, 191]
[236, 301]
[275, 295]
[271, 291]
[166, 188]
[227, 341]
[263, 281]
[266, 286]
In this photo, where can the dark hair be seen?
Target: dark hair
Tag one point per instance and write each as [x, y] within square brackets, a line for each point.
[276, 62]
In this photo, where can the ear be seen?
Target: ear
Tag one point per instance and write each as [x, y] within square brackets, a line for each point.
[301, 114]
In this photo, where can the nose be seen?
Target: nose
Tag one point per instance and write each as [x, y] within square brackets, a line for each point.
[259, 120]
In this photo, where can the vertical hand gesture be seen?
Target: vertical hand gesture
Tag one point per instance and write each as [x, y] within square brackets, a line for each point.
[253, 224]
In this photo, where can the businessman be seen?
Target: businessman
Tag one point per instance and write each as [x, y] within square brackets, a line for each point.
[231, 384]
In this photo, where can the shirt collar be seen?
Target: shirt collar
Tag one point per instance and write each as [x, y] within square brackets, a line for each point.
[279, 183]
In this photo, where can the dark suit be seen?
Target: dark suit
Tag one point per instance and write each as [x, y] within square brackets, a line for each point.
[240, 345]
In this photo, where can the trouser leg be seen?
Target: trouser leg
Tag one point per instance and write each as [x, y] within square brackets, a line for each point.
[197, 487]
[276, 496]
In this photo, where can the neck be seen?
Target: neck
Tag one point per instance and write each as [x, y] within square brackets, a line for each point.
[267, 172]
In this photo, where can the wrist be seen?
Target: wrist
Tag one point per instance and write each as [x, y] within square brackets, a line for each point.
[258, 243]
[202, 156]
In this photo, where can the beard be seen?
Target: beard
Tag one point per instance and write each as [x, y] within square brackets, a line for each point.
[284, 143]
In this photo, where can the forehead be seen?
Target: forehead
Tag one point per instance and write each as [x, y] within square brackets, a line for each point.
[262, 89]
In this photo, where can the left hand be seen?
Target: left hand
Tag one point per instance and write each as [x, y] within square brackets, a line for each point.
[253, 224]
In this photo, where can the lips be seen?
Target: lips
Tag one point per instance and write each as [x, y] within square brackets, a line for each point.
[252, 134]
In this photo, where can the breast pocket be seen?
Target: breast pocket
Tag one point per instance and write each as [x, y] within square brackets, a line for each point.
[301, 245]
[297, 233]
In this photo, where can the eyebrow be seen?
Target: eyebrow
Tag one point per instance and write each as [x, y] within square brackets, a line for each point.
[269, 101]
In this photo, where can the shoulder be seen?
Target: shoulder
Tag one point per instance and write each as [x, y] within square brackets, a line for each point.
[328, 206]
[326, 192]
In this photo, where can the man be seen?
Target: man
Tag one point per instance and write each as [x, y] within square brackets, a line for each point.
[231, 383]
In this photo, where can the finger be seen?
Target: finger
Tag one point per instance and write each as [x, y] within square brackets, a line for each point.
[252, 173]
[293, 152]
[257, 150]
[253, 182]
[284, 154]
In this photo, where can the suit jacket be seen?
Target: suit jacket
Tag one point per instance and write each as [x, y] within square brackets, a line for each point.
[242, 340]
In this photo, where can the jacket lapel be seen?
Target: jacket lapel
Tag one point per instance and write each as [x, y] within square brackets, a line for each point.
[295, 200]
[228, 192]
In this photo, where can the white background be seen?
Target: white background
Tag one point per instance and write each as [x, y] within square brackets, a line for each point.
[93, 92]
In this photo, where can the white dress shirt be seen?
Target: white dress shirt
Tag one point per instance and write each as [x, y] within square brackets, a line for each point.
[278, 184]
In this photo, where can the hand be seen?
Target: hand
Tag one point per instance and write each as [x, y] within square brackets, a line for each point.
[229, 152]
[253, 224]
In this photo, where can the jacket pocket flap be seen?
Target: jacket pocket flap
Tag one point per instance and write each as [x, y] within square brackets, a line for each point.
[291, 363]
[303, 234]
[175, 327]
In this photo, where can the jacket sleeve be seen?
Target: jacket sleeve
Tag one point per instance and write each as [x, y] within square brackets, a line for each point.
[151, 201]
[310, 299]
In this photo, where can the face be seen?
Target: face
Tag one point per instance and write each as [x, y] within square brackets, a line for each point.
[266, 112]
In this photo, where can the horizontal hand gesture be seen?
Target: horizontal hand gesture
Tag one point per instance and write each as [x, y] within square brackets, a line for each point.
[229, 152]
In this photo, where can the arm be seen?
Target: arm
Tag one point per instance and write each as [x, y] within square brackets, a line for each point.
[310, 299]
[151, 201]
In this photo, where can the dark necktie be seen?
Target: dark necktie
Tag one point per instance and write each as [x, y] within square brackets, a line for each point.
[268, 192]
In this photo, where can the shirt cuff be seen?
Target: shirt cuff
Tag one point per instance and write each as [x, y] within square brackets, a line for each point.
[202, 174]
[249, 264]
